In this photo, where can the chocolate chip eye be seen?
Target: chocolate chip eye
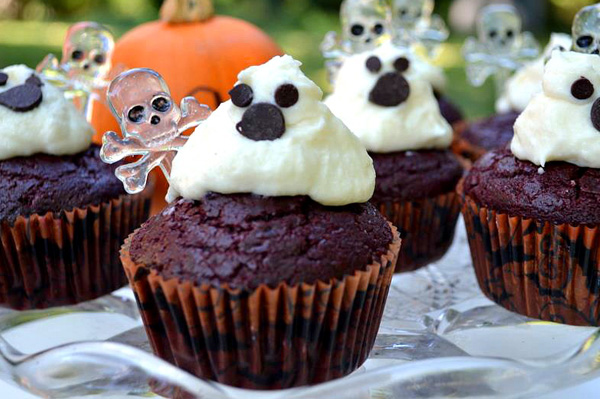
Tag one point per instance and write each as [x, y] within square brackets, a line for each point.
[77, 55]
[34, 80]
[378, 29]
[3, 78]
[161, 104]
[510, 34]
[241, 95]
[493, 34]
[99, 59]
[136, 114]
[582, 89]
[585, 41]
[286, 95]
[357, 30]
[402, 64]
[374, 64]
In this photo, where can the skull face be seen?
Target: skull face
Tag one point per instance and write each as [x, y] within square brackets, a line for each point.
[87, 51]
[142, 102]
[499, 27]
[586, 30]
[364, 22]
[408, 12]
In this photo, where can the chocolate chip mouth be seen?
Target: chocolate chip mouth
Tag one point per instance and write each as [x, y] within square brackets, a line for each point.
[262, 121]
[25, 97]
[391, 90]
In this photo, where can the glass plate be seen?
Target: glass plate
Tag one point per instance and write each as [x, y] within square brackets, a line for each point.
[440, 337]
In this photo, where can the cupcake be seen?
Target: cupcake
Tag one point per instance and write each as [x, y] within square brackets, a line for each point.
[533, 211]
[64, 214]
[496, 131]
[268, 269]
[385, 100]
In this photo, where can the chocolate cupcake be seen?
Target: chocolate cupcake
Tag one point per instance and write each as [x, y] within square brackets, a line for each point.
[268, 269]
[384, 99]
[64, 214]
[533, 213]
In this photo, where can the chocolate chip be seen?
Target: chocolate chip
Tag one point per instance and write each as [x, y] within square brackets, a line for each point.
[374, 64]
[3, 78]
[262, 122]
[34, 80]
[22, 98]
[391, 90]
[582, 89]
[402, 64]
[286, 95]
[241, 95]
[596, 114]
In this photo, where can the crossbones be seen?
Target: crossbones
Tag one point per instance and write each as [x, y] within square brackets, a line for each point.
[85, 64]
[151, 123]
[501, 47]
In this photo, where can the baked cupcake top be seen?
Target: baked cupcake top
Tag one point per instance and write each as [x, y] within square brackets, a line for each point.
[35, 117]
[527, 81]
[274, 138]
[385, 97]
[563, 122]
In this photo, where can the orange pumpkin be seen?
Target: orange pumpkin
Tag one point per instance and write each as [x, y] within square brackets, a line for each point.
[196, 52]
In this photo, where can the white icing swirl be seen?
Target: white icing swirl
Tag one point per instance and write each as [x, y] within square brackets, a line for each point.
[413, 125]
[316, 156]
[55, 127]
[556, 126]
[527, 82]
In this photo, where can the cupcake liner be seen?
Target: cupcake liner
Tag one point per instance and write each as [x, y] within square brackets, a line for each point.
[267, 338]
[426, 226]
[67, 257]
[535, 268]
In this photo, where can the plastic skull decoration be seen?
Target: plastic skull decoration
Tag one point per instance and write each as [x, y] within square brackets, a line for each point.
[586, 30]
[85, 64]
[501, 47]
[365, 25]
[409, 12]
[151, 123]
[414, 21]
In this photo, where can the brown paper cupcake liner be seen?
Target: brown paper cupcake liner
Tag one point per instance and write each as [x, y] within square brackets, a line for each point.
[268, 338]
[426, 226]
[70, 256]
[535, 268]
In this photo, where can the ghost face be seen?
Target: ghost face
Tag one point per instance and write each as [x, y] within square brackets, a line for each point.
[586, 30]
[499, 27]
[408, 12]
[87, 51]
[364, 22]
[142, 102]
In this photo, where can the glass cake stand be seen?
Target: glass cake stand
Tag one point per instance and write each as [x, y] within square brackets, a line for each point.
[440, 337]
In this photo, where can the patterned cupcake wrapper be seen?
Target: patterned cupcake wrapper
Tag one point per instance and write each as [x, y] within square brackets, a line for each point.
[426, 226]
[68, 257]
[267, 338]
[535, 268]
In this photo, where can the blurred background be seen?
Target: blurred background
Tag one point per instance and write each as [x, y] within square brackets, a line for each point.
[30, 29]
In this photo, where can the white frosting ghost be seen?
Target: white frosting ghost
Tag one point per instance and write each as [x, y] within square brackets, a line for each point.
[557, 126]
[316, 155]
[527, 82]
[414, 124]
[54, 127]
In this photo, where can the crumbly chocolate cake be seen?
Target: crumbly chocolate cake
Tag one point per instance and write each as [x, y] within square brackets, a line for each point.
[493, 132]
[45, 183]
[414, 175]
[559, 193]
[246, 240]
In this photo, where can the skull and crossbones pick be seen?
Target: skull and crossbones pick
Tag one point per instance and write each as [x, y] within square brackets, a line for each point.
[586, 30]
[501, 46]
[414, 22]
[151, 124]
[365, 25]
[83, 70]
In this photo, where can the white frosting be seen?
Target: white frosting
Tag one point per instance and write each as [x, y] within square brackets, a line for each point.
[413, 125]
[556, 126]
[527, 82]
[317, 156]
[55, 127]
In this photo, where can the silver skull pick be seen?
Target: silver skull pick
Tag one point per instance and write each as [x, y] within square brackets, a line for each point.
[586, 30]
[151, 123]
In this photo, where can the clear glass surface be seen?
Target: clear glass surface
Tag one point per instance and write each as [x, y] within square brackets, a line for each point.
[439, 338]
